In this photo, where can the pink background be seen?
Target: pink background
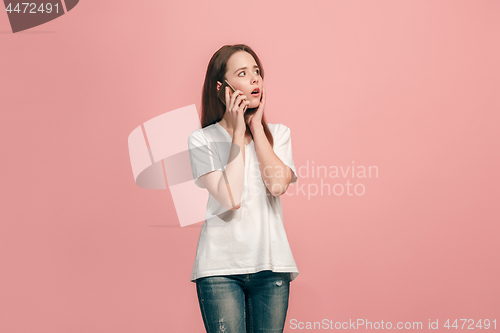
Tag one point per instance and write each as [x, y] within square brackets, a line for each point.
[408, 86]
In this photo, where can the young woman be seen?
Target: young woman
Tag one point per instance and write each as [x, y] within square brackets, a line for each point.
[244, 264]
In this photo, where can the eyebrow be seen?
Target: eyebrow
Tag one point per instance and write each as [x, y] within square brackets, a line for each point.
[245, 68]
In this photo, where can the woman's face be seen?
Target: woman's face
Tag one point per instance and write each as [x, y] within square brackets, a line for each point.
[244, 75]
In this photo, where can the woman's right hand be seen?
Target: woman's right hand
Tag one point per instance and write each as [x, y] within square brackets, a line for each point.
[236, 106]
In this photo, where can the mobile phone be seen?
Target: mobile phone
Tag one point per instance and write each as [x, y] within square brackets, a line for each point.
[222, 91]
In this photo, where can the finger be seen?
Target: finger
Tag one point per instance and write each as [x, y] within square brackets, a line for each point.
[241, 97]
[237, 104]
[241, 100]
[246, 104]
[236, 94]
[234, 103]
[229, 99]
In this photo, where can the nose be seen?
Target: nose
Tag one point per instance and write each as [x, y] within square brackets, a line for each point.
[255, 78]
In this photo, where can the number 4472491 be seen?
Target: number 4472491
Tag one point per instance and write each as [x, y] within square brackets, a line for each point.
[33, 10]
[486, 324]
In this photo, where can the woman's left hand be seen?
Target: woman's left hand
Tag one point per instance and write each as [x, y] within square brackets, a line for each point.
[256, 118]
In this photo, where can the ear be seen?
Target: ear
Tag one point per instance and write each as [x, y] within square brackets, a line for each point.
[218, 85]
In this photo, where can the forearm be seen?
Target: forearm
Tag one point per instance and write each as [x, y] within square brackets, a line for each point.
[275, 174]
[232, 182]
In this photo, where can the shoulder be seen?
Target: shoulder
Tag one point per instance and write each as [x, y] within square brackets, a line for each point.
[277, 129]
[195, 137]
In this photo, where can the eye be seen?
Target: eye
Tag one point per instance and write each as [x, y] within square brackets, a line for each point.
[257, 71]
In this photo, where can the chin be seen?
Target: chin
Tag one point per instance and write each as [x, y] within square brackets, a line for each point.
[253, 105]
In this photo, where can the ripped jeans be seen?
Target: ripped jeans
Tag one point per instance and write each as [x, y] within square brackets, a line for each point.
[243, 303]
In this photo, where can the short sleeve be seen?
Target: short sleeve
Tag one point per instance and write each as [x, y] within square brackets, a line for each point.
[203, 155]
[283, 148]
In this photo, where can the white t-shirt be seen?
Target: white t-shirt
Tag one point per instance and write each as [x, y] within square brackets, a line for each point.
[251, 238]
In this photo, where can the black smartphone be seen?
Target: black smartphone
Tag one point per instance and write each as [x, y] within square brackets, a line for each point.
[222, 91]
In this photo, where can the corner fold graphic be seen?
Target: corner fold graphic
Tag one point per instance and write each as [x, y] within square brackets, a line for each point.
[168, 155]
[70, 4]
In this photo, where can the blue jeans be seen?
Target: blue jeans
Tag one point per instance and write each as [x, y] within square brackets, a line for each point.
[242, 303]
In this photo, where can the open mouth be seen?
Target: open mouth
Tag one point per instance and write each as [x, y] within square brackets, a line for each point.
[256, 92]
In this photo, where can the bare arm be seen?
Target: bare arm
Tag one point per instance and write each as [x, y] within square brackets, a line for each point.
[275, 174]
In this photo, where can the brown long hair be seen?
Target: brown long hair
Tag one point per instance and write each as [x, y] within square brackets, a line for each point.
[212, 109]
